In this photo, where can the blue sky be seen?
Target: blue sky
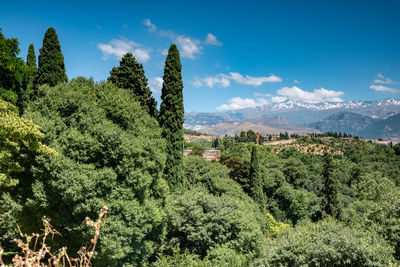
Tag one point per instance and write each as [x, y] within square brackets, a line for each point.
[234, 54]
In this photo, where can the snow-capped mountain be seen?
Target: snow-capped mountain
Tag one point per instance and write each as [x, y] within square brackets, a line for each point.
[296, 114]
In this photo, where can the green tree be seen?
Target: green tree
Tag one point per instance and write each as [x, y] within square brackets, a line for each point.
[14, 75]
[130, 75]
[20, 141]
[31, 57]
[330, 202]
[171, 115]
[31, 63]
[255, 178]
[51, 69]
[251, 136]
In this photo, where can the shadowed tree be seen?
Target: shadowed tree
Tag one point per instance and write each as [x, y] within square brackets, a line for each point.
[255, 178]
[171, 116]
[330, 202]
[130, 75]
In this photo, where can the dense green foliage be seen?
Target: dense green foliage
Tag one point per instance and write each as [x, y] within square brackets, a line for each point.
[14, 74]
[51, 69]
[110, 153]
[327, 244]
[171, 115]
[20, 143]
[130, 75]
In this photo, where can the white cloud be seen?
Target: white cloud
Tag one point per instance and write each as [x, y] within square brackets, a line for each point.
[383, 80]
[197, 82]
[239, 103]
[261, 94]
[316, 96]
[189, 47]
[220, 79]
[142, 54]
[278, 99]
[151, 26]
[225, 80]
[164, 52]
[255, 81]
[381, 88]
[119, 47]
[212, 40]
[155, 84]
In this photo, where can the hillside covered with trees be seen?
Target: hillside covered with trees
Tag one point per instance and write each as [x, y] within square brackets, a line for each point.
[69, 148]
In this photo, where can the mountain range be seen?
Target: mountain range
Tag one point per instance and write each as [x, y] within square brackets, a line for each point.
[370, 119]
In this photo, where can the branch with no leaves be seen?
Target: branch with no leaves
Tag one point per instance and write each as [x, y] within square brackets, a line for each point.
[32, 257]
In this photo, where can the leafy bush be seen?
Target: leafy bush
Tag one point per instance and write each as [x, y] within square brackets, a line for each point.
[327, 243]
[199, 221]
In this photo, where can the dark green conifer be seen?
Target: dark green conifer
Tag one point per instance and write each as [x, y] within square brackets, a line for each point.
[256, 185]
[51, 69]
[330, 202]
[130, 75]
[171, 116]
[31, 58]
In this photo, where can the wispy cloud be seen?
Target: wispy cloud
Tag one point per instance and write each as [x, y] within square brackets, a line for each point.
[189, 47]
[224, 80]
[261, 94]
[382, 88]
[155, 84]
[377, 84]
[316, 96]
[278, 99]
[212, 40]
[383, 80]
[221, 80]
[119, 47]
[255, 81]
[151, 26]
[240, 103]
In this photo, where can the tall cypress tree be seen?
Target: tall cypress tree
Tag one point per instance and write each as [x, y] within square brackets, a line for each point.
[51, 69]
[130, 75]
[31, 58]
[330, 202]
[171, 116]
[256, 184]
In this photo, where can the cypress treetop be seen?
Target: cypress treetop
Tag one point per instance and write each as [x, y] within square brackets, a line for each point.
[31, 58]
[130, 75]
[51, 69]
[171, 116]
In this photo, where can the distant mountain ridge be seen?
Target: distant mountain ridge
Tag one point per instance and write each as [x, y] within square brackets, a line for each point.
[349, 116]
[344, 122]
